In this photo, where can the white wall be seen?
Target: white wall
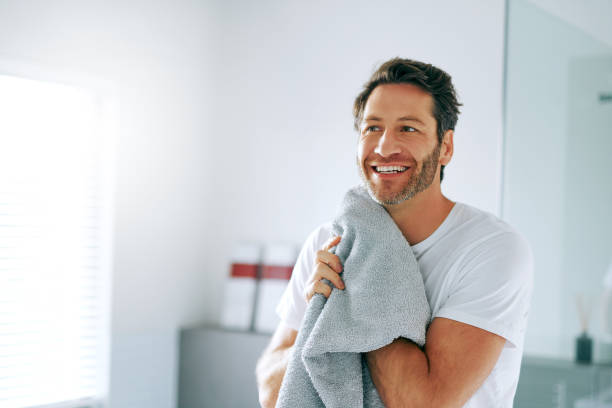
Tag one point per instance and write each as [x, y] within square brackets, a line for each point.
[287, 73]
[157, 53]
[236, 125]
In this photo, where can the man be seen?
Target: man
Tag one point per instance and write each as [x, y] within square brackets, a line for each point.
[476, 269]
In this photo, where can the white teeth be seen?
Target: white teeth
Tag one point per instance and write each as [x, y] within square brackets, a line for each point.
[390, 169]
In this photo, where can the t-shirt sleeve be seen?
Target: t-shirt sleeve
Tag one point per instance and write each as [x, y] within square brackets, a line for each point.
[493, 288]
[292, 306]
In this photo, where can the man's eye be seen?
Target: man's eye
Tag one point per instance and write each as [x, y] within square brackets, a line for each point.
[371, 129]
[408, 129]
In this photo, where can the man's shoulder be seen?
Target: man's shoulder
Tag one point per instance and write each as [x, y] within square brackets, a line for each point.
[481, 230]
[319, 236]
[486, 235]
[476, 221]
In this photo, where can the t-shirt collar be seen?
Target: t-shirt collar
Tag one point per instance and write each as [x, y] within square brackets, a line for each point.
[422, 246]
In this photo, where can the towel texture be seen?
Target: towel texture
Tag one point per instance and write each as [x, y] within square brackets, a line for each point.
[384, 299]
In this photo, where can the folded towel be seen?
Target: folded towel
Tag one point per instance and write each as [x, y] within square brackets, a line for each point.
[384, 299]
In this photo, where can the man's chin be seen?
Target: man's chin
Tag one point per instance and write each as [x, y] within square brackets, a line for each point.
[389, 198]
[392, 200]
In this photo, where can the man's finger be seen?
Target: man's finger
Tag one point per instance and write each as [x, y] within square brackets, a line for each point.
[333, 241]
[322, 288]
[330, 259]
[317, 287]
[323, 271]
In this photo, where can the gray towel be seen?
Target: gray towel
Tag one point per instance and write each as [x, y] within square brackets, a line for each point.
[384, 299]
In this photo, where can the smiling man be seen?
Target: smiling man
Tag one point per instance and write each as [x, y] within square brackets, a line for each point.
[476, 269]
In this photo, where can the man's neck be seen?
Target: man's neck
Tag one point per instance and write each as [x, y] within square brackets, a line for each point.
[421, 215]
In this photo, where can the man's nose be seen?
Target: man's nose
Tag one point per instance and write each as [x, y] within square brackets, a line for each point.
[387, 144]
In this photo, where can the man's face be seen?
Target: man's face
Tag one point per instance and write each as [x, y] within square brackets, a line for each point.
[398, 153]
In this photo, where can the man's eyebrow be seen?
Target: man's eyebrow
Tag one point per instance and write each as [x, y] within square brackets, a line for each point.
[412, 119]
[403, 118]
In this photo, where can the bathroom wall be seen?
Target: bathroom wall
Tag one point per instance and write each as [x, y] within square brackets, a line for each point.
[235, 124]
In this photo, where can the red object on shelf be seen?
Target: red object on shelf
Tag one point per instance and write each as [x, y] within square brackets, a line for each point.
[242, 270]
[276, 272]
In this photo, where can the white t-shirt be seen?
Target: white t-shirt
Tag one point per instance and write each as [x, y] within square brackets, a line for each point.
[476, 269]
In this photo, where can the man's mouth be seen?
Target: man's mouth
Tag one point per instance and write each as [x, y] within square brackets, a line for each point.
[389, 169]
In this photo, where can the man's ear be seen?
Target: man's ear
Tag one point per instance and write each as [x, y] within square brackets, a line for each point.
[446, 151]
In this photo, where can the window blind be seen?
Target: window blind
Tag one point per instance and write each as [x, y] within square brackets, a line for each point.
[55, 245]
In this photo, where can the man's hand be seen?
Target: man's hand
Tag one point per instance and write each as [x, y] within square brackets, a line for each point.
[327, 266]
[273, 363]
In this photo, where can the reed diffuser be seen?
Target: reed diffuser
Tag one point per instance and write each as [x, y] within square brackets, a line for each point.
[584, 343]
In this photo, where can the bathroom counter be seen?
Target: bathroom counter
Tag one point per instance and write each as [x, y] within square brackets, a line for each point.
[549, 382]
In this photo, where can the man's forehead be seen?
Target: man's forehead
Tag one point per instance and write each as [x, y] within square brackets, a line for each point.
[399, 102]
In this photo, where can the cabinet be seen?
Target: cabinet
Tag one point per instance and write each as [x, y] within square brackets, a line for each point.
[217, 367]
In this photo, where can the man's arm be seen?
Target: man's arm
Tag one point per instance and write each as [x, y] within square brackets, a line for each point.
[272, 365]
[455, 362]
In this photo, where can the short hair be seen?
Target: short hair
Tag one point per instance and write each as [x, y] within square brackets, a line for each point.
[429, 78]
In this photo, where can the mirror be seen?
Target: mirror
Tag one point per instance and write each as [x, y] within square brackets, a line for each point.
[557, 176]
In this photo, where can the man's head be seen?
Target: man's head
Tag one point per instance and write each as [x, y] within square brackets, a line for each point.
[405, 115]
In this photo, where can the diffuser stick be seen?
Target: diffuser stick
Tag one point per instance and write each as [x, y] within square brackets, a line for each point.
[583, 314]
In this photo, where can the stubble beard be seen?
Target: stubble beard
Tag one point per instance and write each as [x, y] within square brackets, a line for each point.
[417, 182]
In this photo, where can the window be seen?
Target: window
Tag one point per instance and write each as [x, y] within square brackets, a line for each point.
[56, 162]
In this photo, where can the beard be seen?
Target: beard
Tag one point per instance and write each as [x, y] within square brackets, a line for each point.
[419, 181]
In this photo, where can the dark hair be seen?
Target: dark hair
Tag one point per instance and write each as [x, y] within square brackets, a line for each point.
[427, 77]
